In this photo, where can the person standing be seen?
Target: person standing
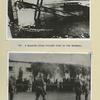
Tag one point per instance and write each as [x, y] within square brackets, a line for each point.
[78, 89]
[11, 90]
[40, 87]
[86, 89]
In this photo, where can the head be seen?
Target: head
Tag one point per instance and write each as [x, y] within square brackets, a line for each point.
[40, 75]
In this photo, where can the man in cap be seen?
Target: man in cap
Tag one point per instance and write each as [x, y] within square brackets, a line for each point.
[11, 89]
[78, 89]
[40, 86]
[86, 89]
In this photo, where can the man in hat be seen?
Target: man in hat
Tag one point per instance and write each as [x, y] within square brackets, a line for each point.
[11, 89]
[40, 86]
[78, 89]
[86, 89]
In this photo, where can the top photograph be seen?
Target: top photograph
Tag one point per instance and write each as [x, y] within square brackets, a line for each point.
[52, 19]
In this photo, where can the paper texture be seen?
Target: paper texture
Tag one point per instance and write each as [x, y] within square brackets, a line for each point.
[52, 46]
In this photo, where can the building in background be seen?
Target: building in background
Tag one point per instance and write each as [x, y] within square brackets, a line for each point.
[14, 67]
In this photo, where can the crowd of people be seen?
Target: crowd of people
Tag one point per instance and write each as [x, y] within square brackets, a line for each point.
[41, 86]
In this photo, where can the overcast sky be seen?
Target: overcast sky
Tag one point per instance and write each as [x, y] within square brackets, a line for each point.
[83, 59]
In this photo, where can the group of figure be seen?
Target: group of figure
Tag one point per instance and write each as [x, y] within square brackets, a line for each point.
[40, 88]
[81, 87]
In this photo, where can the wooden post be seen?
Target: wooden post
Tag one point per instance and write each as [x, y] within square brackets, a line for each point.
[37, 13]
[10, 11]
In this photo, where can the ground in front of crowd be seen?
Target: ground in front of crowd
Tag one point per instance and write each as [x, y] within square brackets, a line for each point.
[49, 96]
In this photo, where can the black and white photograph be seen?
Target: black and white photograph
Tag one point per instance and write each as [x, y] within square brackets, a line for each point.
[50, 19]
[49, 76]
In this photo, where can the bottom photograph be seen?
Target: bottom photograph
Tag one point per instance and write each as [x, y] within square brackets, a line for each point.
[49, 76]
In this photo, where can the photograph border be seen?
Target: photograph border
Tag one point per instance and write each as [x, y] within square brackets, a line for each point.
[91, 93]
[49, 39]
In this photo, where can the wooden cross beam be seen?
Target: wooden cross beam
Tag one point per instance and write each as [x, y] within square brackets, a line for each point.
[38, 12]
[47, 10]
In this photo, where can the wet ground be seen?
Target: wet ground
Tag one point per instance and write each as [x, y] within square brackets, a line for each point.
[49, 96]
[72, 27]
